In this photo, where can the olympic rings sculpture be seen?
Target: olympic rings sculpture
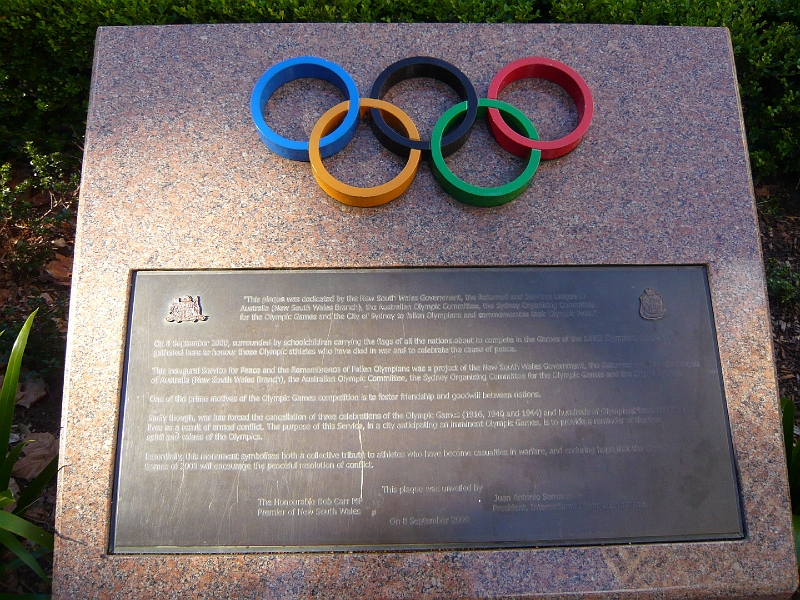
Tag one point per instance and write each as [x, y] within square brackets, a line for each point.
[395, 130]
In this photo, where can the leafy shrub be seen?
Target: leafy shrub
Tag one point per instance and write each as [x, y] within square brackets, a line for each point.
[766, 45]
[27, 233]
[783, 282]
[793, 468]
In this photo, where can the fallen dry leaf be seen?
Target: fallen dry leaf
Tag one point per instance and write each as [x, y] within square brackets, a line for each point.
[31, 391]
[36, 455]
[37, 515]
[61, 324]
[5, 295]
[60, 269]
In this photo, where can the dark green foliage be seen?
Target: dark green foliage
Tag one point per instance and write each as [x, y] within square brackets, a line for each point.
[792, 453]
[22, 226]
[793, 468]
[27, 233]
[766, 45]
[46, 351]
[361, 11]
[783, 282]
[12, 522]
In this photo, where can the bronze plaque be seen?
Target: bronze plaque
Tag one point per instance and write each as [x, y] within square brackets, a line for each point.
[421, 408]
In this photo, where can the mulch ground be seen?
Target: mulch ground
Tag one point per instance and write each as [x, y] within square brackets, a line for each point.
[779, 221]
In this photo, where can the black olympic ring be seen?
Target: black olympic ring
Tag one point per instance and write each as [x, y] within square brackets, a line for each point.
[434, 68]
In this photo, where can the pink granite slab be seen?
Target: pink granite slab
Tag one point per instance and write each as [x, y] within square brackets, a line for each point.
[175, 177]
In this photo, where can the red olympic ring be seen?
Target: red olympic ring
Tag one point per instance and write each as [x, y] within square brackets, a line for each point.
[561, 75]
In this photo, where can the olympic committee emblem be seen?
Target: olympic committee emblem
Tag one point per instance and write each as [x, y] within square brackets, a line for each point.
[395, 130]
[186, 309]
[651, 305]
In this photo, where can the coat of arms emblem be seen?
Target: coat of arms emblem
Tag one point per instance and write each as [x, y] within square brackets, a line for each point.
[186, 308]
[651, 305]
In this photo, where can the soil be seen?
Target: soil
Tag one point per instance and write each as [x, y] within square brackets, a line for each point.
[779, 222]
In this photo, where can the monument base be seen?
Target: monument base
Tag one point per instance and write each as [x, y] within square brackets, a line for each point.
[177, 179]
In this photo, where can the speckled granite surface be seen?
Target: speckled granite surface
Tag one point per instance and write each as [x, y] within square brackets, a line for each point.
[175, 177]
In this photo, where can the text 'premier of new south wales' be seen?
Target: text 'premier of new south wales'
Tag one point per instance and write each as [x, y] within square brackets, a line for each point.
[417, 407]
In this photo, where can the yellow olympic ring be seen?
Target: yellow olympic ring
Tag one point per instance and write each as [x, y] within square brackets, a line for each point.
[358, 196]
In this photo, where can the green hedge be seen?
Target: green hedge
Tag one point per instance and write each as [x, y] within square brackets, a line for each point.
[46, 52]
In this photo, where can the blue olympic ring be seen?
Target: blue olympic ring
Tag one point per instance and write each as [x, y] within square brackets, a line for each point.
[298, 68]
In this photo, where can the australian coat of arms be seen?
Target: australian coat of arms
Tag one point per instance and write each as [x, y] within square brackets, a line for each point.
[651, 305]
[186, 308]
